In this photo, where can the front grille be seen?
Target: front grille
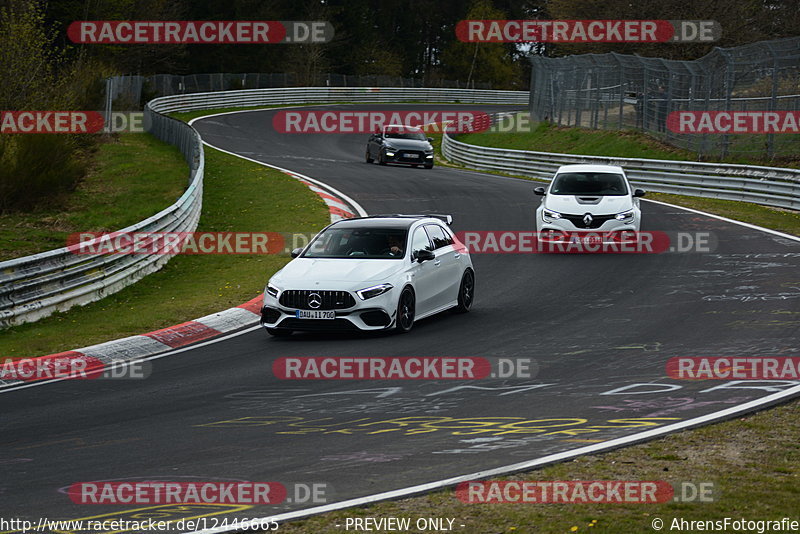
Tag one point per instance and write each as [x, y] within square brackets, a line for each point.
[597, 220]
[403, 156]
[330, 300]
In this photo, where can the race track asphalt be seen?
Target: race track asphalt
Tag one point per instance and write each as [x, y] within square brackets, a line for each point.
[591, 324]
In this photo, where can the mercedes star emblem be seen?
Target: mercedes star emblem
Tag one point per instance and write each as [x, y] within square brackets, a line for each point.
[314, 300]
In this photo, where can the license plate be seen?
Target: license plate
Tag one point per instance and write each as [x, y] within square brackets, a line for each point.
[587, 240]
[314, 314]
[412, 155]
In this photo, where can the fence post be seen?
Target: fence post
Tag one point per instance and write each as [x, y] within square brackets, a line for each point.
[621, 88]
[109, 100]
[773, 104]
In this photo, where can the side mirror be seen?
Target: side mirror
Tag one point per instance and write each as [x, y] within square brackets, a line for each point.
[430, 139]
[639, 192]
[424, 255]
[539, 191]
[296, 252]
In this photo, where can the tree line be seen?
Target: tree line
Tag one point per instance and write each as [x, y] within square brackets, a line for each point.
[42, 69]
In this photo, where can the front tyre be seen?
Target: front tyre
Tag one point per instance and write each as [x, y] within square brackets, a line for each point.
[466, 292]
[279, 332]
[382, 159]
[429, 165]
[405, 311]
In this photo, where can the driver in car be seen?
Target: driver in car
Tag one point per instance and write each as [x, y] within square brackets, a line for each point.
[394, 246]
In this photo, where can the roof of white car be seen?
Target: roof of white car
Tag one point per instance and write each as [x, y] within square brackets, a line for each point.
[590, 168]
[401, 126]
[394, 219]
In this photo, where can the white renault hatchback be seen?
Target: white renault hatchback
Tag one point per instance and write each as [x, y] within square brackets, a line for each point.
[371, 273]
[588, 198]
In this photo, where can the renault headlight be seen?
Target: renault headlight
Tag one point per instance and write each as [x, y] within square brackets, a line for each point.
[625, 216]
[548, 215]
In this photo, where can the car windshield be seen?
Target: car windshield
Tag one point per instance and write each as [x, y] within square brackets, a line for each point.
[405, 133]
[589, 183]
[359, 242]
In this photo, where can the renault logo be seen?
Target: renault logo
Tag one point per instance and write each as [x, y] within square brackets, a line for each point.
[587, 219]
[314, 300]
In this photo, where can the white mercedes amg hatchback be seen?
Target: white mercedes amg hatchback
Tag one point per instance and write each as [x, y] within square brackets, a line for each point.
[588, 198]
[371, 273]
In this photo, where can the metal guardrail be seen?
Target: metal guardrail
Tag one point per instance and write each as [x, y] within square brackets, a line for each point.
[770, 186]
[324, 95]
[36, 286]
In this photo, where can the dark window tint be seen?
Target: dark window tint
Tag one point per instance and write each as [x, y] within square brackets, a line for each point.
[589, 183]
[368, 243]
[420, 241]
[438, 236]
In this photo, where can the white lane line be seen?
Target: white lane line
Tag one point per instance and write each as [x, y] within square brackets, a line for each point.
[699, 212]
[147, 358]
[355, 205]
[641, 436]
[324, 187]
[512, 468]
[732, 221]
[491, 472]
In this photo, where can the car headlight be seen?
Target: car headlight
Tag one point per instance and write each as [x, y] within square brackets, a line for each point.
[389, 153]
[272, 290]
[550, 214]
[626, 216]
[374, 291]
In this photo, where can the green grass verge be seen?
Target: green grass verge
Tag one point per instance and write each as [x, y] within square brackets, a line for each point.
[238, 196]
[547, 138]
[133, 177]
[751, 461]
[627, 143]
[189, 115]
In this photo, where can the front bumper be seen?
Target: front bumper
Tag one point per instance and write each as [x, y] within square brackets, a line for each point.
[590, 237]
[567, 226]
[407, 157]
[377, 313]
